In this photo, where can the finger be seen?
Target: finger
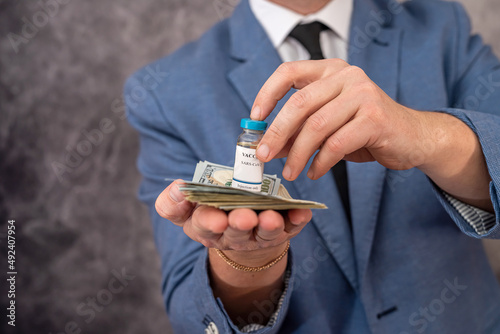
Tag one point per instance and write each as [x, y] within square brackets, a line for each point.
[240, 228]
[296, 220]
[351, 137]
[317, 128]
[294, 113]
[271, 226]
[207, 223]
[284, 151]
[171, 204]
[289, 75]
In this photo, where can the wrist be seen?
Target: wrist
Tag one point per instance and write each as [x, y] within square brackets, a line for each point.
[259, 257]
[241, 291]
[224, 274]
[455, 160]
[446, 145]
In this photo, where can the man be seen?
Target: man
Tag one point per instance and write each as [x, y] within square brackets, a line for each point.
[414, 111]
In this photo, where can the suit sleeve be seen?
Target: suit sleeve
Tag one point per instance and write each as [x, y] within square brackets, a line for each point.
[476, 101]
[186, 289]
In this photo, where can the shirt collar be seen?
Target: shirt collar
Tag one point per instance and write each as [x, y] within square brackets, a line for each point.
[279, 21]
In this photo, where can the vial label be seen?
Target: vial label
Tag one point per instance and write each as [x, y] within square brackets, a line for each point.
[248, 170]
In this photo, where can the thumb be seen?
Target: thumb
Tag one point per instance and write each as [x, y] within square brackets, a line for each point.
[172, 205]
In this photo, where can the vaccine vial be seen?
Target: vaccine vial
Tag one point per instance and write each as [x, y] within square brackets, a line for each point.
[248, 170]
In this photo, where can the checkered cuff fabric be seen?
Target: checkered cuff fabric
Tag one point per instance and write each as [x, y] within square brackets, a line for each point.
[480, 220]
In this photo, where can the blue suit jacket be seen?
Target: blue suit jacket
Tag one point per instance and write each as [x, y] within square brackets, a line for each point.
[412, 265]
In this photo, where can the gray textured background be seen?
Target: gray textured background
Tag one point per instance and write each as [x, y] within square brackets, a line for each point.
[76, 225]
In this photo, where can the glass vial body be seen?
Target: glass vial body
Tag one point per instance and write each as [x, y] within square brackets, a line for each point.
[248, 170]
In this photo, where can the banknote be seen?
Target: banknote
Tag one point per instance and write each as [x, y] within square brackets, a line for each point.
[211, 185]
[210, 173]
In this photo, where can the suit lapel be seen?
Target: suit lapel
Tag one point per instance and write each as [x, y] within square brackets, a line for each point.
[255, 57]
[332, 224]
[378, 56]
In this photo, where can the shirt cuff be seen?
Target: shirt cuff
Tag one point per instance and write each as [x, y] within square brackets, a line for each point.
[254, 327]
[481, 221]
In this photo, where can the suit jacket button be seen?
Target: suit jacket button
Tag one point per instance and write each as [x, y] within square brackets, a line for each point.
[211, 329]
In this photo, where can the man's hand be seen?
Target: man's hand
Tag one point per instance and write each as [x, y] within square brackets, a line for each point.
[339, 111]
[238, 230]
[247, 237]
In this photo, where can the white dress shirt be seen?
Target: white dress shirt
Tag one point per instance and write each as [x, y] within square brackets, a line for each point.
[279, 21]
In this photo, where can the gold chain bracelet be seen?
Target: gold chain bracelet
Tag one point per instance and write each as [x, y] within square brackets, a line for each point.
[241, 267]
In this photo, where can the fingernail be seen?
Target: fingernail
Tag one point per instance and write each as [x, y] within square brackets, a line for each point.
[263, 152]
[175, 194]
[255, 114]
[287, 172]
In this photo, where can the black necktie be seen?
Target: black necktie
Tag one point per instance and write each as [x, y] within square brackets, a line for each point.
[308, 36]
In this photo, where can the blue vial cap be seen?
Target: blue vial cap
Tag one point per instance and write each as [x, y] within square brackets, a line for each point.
[248, 123]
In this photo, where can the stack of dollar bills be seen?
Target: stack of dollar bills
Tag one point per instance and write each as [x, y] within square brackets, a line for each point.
[211, 185]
